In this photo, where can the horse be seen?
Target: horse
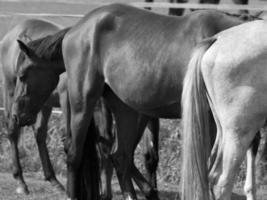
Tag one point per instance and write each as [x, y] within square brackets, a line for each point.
[180, 11]
[135, 59]
[226, 75]
[28, 31]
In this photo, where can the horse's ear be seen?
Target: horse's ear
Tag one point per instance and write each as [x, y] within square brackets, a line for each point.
[28, 51]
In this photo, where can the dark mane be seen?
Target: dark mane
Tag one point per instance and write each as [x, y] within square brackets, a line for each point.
[49, 47]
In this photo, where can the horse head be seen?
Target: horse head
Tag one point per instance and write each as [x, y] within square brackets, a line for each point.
[36, 80]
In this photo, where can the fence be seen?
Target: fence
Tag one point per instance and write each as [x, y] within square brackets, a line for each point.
[71, 9]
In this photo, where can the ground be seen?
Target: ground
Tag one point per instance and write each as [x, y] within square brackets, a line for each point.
[41, 190]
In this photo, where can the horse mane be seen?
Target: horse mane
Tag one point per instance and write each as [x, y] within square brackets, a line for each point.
[49, 47]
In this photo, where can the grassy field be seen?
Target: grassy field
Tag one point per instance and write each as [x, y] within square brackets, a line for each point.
[168, 171]
[41, 190]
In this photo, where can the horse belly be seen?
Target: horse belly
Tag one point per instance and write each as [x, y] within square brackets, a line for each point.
[150, 97]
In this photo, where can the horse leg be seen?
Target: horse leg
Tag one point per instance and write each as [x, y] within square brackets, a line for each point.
[149, 191]
[13, 132]
[231, 152]
[40, 132]
[104, 122]
[151, 151]
[250, 183]
[126, 123]
[130, 122]
[13, 136]
[82, 102]
[106, 177]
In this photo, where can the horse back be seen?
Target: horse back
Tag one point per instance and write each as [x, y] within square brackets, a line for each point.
[138, 53]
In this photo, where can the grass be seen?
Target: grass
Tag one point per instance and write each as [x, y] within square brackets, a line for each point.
[168, 171]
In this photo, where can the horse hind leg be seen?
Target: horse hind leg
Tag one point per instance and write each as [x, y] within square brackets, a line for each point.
[151, 151]
[231, 152]
[147, 187]
[121, 158]
[106, 168]
[250, 183]
[40, 132]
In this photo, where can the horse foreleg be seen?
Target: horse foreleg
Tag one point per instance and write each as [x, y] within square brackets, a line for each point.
[13, 136]
[250, 183]
[40, 132]
[13, 132]
[151, 151]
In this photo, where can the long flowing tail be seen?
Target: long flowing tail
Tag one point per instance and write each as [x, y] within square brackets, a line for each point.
[195, 185]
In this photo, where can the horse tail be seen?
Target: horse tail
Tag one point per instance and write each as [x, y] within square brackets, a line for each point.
[89, 172]
[196, 139]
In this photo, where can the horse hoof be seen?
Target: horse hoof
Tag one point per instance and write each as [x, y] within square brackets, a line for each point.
[22, 190]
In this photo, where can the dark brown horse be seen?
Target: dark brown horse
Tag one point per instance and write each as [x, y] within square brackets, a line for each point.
[180, 11]
[9, 51]
[27, 31]
[134, 58]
